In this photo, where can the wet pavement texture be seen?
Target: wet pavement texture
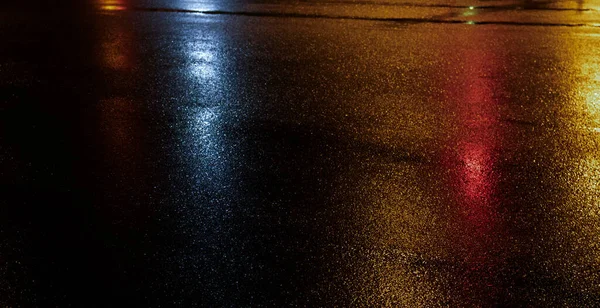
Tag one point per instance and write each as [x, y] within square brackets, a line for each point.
[154, 155]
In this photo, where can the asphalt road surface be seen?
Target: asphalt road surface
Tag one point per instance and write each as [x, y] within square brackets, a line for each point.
[314, 154]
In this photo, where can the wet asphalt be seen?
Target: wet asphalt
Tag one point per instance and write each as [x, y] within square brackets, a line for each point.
[272, 154]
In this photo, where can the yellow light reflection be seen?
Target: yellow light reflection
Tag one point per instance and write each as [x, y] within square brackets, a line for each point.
[591, 91]
[574, 239]
[470, 12]
[112, 5]
[116, 39]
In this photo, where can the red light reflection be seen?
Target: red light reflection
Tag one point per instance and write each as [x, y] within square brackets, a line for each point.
[477, 183]
[475, 143]
[472, 161]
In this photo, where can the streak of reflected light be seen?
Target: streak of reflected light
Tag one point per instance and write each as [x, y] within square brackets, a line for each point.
[119, 114]
[205, 153]
[574, 239]
[475, 177]
[117, 47]
[591, 91]
[205, 131]
[206, 150]
[472, 159]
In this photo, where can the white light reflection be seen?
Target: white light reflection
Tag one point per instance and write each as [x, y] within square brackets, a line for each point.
[193, 5]
[206, 151]
[204, 65]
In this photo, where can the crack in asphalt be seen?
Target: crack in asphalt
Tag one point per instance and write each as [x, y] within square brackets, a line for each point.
[442, 19]
[534, 7]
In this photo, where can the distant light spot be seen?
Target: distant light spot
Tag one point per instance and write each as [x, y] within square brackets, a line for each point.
[112, 5]
[112, 8]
